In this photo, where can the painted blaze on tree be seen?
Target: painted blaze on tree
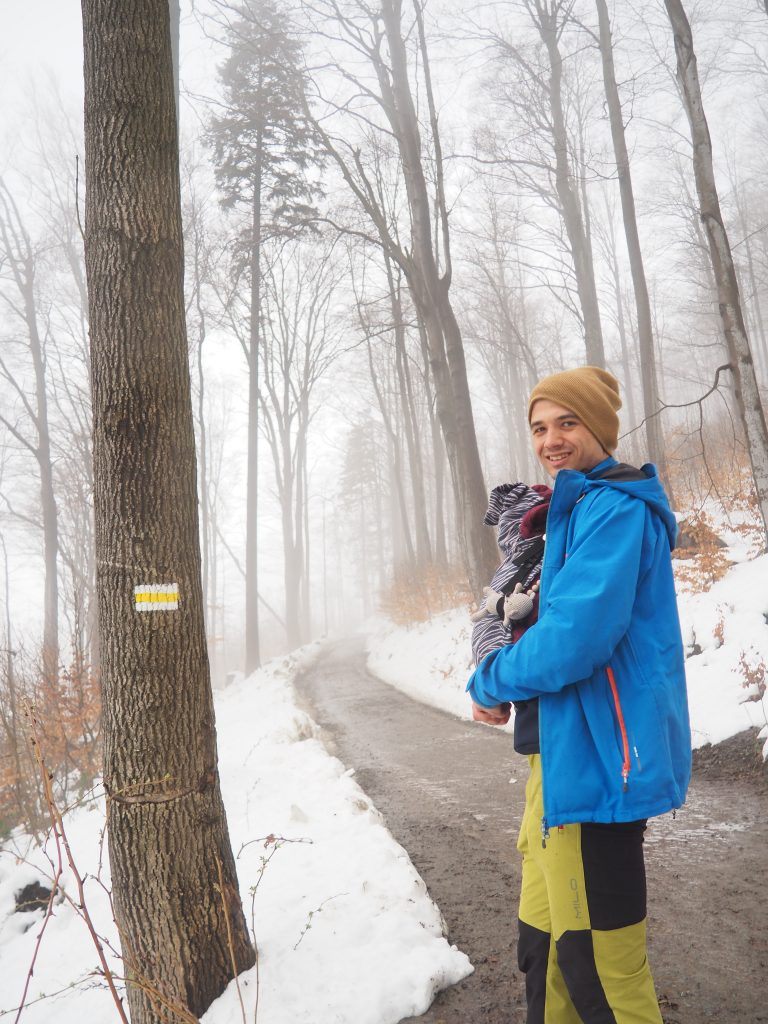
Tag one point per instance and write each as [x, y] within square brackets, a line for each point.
[175, 889]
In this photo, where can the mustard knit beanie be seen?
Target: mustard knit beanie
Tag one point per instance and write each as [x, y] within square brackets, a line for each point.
[592, 393]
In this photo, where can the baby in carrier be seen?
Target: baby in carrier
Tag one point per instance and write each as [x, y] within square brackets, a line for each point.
[509, 605]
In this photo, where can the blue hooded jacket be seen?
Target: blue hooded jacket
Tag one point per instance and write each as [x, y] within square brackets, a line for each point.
[605, 658]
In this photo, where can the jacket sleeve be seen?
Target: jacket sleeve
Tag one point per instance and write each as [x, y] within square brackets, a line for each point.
[588, 608]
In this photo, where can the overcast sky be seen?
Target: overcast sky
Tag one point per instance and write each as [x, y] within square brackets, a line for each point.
[38, 39]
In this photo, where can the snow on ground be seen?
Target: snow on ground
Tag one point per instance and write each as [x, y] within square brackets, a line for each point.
[345, 928]
[430, 661]
[725, 631]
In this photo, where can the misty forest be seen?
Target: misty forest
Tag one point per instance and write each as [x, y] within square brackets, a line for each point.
[272, 302]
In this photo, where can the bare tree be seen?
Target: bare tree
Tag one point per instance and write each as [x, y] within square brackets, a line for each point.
[381, 37]
[19, 261]
[729, 301]
[546, 158]
[651, 405]
[175, 890]
[300, 343]
[504, 327]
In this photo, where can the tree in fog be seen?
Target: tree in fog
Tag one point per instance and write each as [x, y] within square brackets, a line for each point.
[391, 98]
[539, 111]
[393, 341]
[728, 297]
[264, 151]
[363, 492]
[176, 899]
[301, 339]
[509, 329]
[646, 345]
[26, 416]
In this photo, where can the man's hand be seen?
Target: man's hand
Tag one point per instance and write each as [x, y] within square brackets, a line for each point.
[498, 715]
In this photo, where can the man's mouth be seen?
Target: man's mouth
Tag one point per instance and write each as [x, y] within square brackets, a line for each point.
[558, 458]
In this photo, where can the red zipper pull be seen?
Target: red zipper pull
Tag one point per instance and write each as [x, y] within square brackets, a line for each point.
[622, 727]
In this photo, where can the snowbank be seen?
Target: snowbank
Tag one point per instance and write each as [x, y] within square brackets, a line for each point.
[725, 631]
[345, 929]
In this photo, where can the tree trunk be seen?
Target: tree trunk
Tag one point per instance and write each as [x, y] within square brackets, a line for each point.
[761, 350]
[729, 302]
[401, 529]
[175, 890]
[569, 200]
[47, 501]
[438, 454]
[175, 18]
[423, 546]
[430, 292]
[651, 406]
[201, 417]
[252, 639]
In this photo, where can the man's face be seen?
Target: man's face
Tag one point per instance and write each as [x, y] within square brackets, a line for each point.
[561, 441]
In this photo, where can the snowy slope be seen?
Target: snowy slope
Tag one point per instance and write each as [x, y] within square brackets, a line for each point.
[725, 631]
[345, 928]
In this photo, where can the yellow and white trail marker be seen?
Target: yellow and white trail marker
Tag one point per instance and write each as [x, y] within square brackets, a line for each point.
[156, 597]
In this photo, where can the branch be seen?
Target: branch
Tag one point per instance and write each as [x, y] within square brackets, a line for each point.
[683, 405]
[241, 570]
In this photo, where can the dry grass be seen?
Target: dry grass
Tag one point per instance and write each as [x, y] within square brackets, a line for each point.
[67, 713]
[718, 494]
[415, 595]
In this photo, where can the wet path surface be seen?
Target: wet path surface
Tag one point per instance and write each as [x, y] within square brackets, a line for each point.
[452, 794]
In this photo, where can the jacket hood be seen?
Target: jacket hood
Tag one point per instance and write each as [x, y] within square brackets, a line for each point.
[641, 483]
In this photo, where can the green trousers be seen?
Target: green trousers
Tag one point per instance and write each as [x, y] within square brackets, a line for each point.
[582, 920]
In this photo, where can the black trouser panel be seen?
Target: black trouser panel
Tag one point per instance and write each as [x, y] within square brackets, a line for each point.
[614, 873]
[576, 958]
[532, 959]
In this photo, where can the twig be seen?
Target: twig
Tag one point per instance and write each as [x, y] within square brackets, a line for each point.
[61, 839]
[51, 995]
[682, 405]
[182, 1012]
[38, 943]
[312, 913]
[269, 840]
[230, 940]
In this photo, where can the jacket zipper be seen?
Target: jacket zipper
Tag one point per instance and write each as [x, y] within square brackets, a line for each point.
[625, 768]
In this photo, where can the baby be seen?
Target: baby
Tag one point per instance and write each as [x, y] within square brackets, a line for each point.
[510, 604]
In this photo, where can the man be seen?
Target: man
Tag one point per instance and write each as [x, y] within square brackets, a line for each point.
[604, 663]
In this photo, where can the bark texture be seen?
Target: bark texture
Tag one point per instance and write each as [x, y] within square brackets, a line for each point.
[728, 298]
[175, 889]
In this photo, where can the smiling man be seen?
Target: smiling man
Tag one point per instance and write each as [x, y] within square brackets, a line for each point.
[604, 662]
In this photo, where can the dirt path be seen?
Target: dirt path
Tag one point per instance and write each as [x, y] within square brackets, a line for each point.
[452, 795]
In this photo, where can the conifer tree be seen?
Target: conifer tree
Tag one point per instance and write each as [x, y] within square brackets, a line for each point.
[264, 150]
